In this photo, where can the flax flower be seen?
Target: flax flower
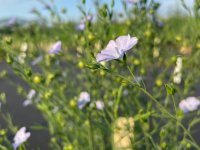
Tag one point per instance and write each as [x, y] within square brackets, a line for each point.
[116, 49]
[84, 98]
[20, 137]
[189, 104]
[56, 48]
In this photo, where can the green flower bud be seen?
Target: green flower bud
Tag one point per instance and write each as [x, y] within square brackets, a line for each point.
[80, 64]
[164, 146]
[136, 62]
[37, 79]
[72, 103]
[159, 82]
[188, 145]
[162, 133]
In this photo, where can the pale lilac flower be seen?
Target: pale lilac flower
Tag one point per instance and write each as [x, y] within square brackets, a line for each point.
[189, 104]
[56, 48]
[31, 93]
[125, 92]
[88, 18]
[29, 98]
[84, 98]
[160, 24]
[27, 102]
[99, 105]
[116, 49]
[20, 137]
[11, 21]
[81, 26]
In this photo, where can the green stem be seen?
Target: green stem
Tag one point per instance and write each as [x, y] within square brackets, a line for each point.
[162, 108]
[116, 106]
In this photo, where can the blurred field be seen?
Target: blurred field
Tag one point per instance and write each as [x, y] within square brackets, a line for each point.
[134, 99]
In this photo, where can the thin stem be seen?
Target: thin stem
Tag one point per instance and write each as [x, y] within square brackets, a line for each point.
[162, 108]
[116, 106]
[91, 134]
[134, 77]
[175, 108]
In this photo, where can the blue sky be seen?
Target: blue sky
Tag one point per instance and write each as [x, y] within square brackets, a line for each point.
[22, 8]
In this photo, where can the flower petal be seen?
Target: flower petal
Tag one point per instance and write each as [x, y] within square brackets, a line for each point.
[111, 45]
[125, 43]
[56, 48]
[104, 57]
[132, 42]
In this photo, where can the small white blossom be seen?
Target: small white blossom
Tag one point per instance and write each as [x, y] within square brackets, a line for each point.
[125, 92]
[84, 98]
[82, 25]
[29, 97]
[110, 103]
[12, 21]
[137, 79]
[56, 48]
[24, 47]
[20, 137]
[189, 104]
[55, 109]
[100, 105]
[21, 57]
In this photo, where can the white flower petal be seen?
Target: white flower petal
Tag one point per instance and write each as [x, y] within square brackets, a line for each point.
[100, 105]
[20, 137]
[84, 98]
